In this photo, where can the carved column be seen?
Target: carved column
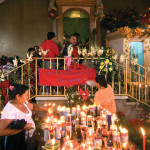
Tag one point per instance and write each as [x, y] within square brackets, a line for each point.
[60, 24]
[98, 33]
[91, 26]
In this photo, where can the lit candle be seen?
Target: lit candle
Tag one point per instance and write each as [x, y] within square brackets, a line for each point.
[113, 128]
[73, 111]
[69, 117]
[124, 135]
[78, 111]
[58, 130]
[144, 138]
[53, 142]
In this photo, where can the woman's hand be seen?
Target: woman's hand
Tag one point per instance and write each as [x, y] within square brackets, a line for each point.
[28, 126]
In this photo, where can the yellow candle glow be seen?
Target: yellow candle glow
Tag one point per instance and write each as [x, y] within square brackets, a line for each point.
[48, 120]
[71, 145]
[53, 141]
[144, 138]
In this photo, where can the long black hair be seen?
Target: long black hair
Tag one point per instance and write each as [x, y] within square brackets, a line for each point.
[17, 89]
[101, 80]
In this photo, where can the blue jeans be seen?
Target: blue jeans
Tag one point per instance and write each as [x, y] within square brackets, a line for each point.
[47, 64]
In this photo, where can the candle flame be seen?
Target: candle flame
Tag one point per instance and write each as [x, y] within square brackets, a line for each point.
[49, 104]
[123, 130]
[48, 120]
[143, 132]
[53, 104]
[90, 148]
[71, 145]
[53, 141]
[83, 145]
[124, 145]
[49, 111]
[45, 105]
[84, 107]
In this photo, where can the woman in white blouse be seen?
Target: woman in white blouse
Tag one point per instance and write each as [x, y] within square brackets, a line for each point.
[17, 108]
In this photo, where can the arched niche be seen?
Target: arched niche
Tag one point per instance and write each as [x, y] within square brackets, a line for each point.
[85, 5]
[76, 21]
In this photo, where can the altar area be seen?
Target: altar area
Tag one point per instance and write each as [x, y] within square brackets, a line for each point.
[121, 55]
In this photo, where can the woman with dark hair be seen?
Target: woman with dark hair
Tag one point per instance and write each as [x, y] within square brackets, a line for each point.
[104, 96]
[16, 123]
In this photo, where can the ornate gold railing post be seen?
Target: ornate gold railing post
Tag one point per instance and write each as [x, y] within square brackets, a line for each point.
[36, 76]
[139, 83]
[145, 87]
[126, 65]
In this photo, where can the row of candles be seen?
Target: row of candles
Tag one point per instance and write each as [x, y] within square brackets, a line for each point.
[63, 126]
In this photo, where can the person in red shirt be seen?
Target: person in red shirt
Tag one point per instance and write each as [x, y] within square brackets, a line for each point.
[52, 48]
[73, 42]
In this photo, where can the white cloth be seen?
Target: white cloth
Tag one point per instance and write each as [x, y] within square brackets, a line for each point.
[11, 112]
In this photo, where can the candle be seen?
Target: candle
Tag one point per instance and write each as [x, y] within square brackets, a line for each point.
[54, 122]
[124, 135]
[68, 129]
[47, 122]
[51, 132]
[70, 145]
[78, 111]
[98, 110]
[113, 128]
[144, 138]
[69, 117]
[52, 144]
[73, 111]
[58, 130]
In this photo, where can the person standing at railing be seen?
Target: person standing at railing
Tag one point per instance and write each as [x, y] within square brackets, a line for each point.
[53, 50]
[16, 122]
[105, 95]
[73, 42]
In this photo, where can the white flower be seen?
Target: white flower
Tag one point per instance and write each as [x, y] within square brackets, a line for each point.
[99, 52]
[115, 57]
[70, 50]
[22, 61]
[90, 54]
[15, 62]
[69, 53]
[29, 57]
[2, 78]
[92, 48]
[84, 52]
[134, 61]
[79, 51]
[45, 52]
[122, 58]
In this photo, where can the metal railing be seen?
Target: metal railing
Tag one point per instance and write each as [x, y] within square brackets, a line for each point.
[125, 79]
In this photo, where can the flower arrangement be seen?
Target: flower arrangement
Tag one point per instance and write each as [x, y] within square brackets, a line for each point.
[76, 98]
[52, 9]
[120, 18]
[126, 32]
[70, 50]
[42, 53]
[73, 97]
[99, 15]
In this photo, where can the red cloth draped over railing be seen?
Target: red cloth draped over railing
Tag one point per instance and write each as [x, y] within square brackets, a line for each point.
[3, 87]
[50, 77]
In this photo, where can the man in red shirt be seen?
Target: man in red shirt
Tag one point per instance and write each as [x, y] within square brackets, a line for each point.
[52, 48]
